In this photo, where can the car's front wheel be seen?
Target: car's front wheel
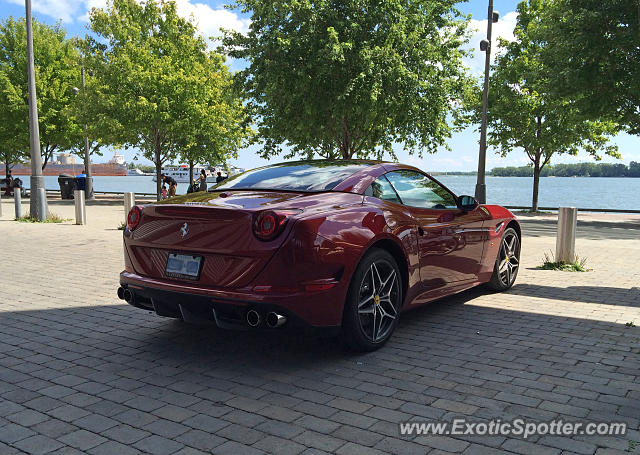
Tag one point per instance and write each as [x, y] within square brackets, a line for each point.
[507, 263]
[373, 302]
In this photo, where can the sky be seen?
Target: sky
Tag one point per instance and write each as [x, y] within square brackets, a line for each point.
[210, 15]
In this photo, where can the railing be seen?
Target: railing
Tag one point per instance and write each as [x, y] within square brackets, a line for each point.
[510, 207]
[555, 209]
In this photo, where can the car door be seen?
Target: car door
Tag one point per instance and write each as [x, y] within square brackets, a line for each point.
[449, 239]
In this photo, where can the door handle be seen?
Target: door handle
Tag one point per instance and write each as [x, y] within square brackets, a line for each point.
[420, 230]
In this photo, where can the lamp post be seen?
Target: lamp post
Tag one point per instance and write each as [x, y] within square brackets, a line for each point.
[38, 200]
[88, 189]
[485, 45]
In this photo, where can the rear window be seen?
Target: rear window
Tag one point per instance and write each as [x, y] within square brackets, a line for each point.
[317, 176]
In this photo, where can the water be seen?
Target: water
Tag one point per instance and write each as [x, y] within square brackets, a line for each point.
[585, 192]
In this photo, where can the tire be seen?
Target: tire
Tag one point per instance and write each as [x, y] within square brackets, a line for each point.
[505, 270]
[373, 302]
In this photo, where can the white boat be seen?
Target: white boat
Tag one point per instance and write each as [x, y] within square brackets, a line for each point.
[135, 171]
[181, 173]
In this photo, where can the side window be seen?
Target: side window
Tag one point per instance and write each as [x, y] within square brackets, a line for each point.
[381, 189]
[418, 190]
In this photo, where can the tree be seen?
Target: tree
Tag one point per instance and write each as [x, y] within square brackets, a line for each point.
[346, 79]
[593, 48]
[525, 113]
[159, 84]
[57, 72]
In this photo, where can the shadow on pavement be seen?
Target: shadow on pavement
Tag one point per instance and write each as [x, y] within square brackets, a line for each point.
[447, 358]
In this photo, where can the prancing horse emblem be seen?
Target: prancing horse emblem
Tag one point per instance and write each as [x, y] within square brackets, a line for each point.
[184, 229]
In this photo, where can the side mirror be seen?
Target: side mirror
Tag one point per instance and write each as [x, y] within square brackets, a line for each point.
[468, 203]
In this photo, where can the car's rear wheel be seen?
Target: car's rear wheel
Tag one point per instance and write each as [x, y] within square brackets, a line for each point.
[507, 263]
[373, 302]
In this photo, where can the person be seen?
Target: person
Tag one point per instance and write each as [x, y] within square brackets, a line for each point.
[173, 185]
[164, 191]
[202, 180]
[220, 178]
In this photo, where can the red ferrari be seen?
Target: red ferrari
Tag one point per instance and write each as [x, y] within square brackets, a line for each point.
[347, 245]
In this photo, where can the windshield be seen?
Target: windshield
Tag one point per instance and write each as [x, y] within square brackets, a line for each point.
[298, 176]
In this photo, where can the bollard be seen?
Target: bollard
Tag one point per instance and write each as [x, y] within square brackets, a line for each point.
[81, 213]
[129, 202]
[17, 197]
[566, 239]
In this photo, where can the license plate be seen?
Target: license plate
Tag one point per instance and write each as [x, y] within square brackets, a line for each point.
[183, 266]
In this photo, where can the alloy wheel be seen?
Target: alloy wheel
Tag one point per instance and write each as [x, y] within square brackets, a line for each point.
[378, 301]
[509, 259]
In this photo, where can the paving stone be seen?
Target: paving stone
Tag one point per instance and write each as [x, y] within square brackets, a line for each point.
[82, 439]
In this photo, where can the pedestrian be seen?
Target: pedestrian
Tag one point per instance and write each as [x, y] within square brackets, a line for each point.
[173, 185]
[220, 178]
[8, 183]
[202, 180]
[164, 192]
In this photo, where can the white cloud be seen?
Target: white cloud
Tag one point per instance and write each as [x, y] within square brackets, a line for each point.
[478, 28]
[210, 20]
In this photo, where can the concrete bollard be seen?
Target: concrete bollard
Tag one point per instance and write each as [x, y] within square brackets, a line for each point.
[566, 239]
[81, 212]
[17, 199]
[129, 202]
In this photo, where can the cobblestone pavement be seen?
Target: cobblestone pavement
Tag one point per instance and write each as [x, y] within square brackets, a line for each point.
[81, 372]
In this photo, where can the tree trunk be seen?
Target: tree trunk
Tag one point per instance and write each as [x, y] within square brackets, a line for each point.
[190, 171]
[158, 164]
[536, 182]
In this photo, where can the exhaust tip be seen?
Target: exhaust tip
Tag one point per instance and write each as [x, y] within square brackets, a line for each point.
[128, 296]
[121, 293]
[275, 320]
[253, 318]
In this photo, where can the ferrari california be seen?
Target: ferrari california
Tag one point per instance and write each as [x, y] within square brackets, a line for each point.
[341, 245]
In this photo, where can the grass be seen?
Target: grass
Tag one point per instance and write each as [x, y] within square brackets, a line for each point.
[549, 263]
[121, 226]
[630, 324]
[51, 218]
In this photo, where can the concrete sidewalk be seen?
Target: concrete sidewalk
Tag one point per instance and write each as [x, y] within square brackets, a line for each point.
[81, 372]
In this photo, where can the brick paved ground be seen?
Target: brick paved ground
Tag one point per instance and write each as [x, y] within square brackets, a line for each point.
[81, 372]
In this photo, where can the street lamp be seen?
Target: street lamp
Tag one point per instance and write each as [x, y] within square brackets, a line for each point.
[88, 189]
[485, 46]
[38, 199]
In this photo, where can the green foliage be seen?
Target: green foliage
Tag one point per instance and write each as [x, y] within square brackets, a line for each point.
[524, 110]
[51, 218]
[549, 263]
[572, 170]
[349, 79]
[163, 92]
[593, 48]
[57, 72]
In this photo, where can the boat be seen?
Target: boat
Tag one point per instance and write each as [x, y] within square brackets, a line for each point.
[67, 164]
[180, 173]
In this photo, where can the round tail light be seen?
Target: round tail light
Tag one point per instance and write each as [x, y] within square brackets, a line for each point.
[133, 218]
[269, 224]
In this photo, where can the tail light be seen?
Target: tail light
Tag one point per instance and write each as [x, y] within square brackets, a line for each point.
[133, 218]
[269, 224]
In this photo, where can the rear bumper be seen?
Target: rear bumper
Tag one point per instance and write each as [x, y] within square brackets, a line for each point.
[228, 309]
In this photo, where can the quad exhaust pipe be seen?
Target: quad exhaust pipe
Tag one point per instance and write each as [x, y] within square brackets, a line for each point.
[272, 320]
[253, 318]
[126, 294]
[275, 320]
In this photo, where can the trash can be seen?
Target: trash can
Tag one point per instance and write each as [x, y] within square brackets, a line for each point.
[66, 183]
[81, 184]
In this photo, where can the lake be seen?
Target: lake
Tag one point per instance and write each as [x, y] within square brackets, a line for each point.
[585, 192]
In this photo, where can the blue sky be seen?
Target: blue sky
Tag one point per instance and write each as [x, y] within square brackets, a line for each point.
[211, 15]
